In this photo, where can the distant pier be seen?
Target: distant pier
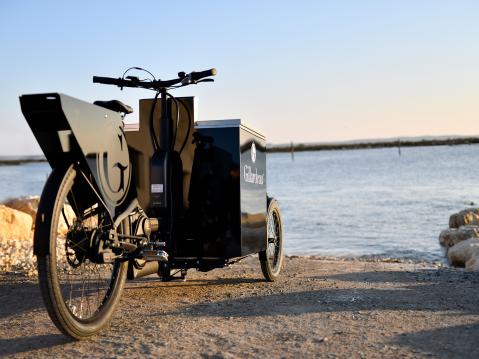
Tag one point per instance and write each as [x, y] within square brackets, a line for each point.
[354, 145]
[15, 161]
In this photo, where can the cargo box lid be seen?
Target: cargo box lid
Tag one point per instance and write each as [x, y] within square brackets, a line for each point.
[229, 123]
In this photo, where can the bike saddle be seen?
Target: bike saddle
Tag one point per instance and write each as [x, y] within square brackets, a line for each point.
[115, 105]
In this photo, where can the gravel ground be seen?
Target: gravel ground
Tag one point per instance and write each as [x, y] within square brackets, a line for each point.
[318, 308]
[16, 256]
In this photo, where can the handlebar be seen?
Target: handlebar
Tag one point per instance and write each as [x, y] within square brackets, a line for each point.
[195, 76]
[106, 80]
[155, 85]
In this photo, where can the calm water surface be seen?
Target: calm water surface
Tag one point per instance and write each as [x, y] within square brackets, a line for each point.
[349, 203]
[23, 180]
[373, 202]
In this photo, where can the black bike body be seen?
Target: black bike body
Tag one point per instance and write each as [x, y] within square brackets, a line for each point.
[166, 194]
[223, 216]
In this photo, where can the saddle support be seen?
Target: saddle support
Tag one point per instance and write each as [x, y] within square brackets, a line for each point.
[115, 105]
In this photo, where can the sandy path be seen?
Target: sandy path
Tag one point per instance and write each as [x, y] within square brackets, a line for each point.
[319, 308]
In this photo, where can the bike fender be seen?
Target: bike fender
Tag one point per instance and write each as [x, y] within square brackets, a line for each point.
[69, 131]
[43, 219]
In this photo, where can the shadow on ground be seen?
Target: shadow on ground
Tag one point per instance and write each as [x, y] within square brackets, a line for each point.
[451, 342]
[445, 275]
[445, 292]
[13, 346]
[429, 290]
[13, 295]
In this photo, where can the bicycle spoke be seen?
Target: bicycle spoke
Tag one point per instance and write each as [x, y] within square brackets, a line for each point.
[85, 285]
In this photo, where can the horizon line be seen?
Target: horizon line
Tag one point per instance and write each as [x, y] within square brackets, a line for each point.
[363, 141]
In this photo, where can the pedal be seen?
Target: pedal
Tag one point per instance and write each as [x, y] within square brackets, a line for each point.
[155, 255]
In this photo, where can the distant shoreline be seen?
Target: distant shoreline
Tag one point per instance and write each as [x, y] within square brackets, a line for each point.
[20, 161]
[298, 147]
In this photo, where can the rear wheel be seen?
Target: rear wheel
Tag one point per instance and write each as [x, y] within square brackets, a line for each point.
[80, 292]
[271, 258]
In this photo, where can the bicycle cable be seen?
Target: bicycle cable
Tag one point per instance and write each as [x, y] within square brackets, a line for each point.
[177, 119]
[140, 69]
[189, 126]
[154, 139]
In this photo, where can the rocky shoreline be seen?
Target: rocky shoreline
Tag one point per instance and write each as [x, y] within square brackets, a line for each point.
[17, 218]
[461, 239]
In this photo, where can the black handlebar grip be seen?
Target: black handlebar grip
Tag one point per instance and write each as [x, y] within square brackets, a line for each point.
[107, 80]
[201, 74]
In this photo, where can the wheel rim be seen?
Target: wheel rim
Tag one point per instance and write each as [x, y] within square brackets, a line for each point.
[273, 250]
[85, 286]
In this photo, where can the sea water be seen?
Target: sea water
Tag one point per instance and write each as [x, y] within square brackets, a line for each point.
[382, 202]
[23, 180]
[350, 203]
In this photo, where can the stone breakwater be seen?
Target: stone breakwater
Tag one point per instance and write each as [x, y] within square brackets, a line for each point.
[461, 239]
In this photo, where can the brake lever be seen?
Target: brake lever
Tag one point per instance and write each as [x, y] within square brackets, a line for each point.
[185, 81]
[188, 81]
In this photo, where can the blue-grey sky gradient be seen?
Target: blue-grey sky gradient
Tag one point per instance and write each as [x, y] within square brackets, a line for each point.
[301, 71]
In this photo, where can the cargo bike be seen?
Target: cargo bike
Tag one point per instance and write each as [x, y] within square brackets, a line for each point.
[163, 196]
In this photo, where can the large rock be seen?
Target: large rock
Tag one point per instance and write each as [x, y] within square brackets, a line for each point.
[452, 236]
[463, 252]
[473, 264]
[27, 205]
[14, 224]
[466, 217]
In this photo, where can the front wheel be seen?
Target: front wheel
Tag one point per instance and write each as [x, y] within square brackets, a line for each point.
[271, 258]
[79, 291]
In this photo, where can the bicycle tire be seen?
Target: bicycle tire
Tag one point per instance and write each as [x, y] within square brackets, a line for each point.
[54, 195]
[271, 259]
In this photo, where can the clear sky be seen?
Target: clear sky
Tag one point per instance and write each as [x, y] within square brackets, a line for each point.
[305, 71]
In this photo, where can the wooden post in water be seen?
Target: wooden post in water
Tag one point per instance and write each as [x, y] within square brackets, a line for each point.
[292, 151]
